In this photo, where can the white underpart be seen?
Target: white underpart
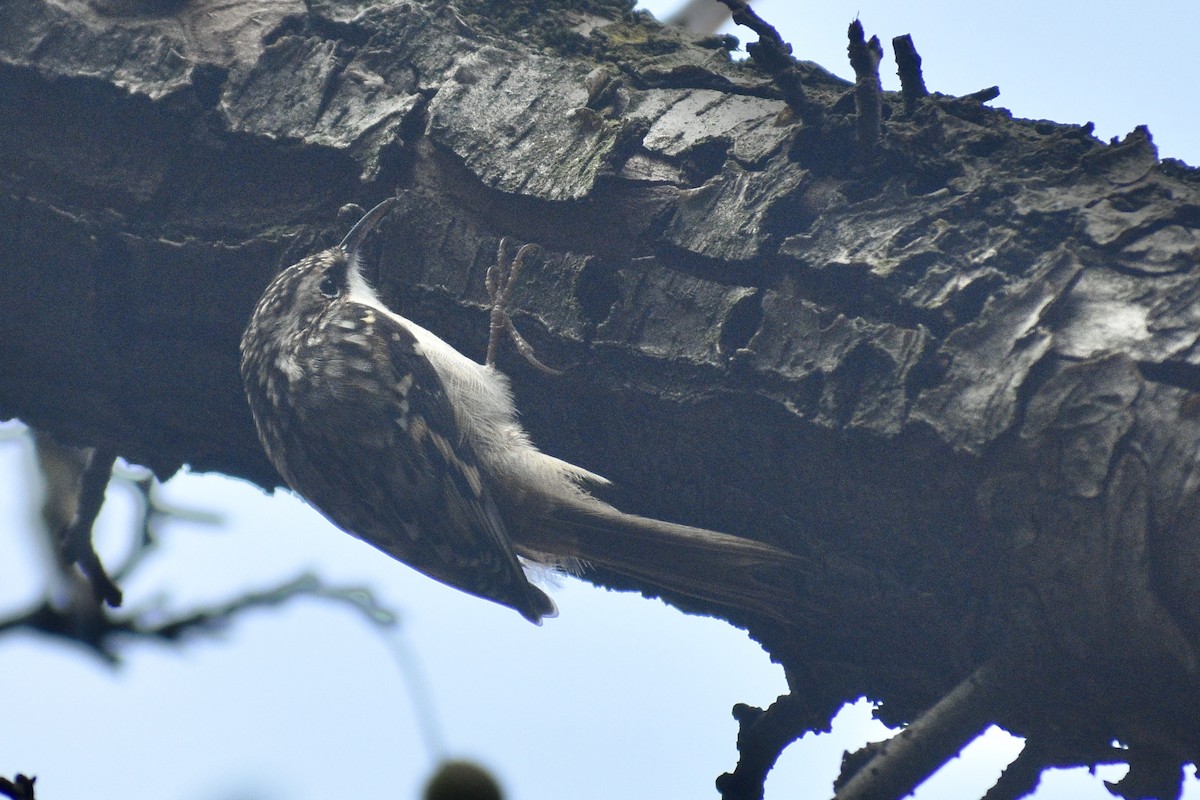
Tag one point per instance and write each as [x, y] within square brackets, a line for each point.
[485, 412]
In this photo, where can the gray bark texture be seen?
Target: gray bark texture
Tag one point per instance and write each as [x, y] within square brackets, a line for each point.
[954, 369]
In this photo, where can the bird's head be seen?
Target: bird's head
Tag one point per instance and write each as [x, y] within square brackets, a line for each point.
[299, 295]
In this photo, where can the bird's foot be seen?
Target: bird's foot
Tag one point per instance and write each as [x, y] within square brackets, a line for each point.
[501, 278]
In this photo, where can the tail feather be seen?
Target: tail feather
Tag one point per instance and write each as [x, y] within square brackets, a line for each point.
[698, 563]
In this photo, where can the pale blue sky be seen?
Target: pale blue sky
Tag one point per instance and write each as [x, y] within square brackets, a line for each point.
[307, 702]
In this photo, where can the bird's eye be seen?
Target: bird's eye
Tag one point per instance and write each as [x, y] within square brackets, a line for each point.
[328, 287]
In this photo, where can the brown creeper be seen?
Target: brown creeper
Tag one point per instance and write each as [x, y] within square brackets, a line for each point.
[406, 443]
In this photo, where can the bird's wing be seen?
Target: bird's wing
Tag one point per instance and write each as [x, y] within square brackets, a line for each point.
[387, 441]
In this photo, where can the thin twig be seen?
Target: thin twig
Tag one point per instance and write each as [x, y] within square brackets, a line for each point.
[102, 632]
[152, 510]
[305, 584]
[77, 538]
[983, 95]
[424, 710]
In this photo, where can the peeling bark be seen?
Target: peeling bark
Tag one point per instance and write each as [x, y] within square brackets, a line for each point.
[958, 374]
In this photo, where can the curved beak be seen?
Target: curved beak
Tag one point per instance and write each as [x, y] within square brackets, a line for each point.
[365, 225]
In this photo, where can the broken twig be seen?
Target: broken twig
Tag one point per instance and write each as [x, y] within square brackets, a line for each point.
[774, 55]
[77, 543]
[908, 68]
[868, 92]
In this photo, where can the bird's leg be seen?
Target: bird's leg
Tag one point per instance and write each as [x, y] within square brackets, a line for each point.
[501, 278]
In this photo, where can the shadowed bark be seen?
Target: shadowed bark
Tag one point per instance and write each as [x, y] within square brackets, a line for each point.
[955, 372]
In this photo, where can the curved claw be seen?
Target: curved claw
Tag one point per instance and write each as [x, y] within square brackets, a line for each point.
[501, 279]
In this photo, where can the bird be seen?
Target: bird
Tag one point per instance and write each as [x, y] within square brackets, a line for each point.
[401, 440]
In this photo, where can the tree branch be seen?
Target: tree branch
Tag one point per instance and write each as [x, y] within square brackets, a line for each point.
[912, 376]
[912, 755]
[908, 68]
[77, 539]
[774, 55]
[762, 737]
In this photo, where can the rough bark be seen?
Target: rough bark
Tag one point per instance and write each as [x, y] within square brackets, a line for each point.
[958, 373]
